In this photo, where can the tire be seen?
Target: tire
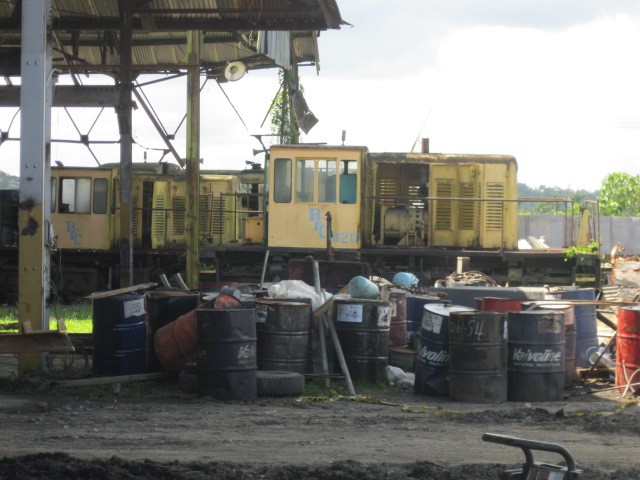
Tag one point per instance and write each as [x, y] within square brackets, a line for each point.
[273, 383]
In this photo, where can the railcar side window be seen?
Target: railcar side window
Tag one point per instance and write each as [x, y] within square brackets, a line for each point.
[305, 184]
[282, 180]
[348, 181]
[326, 181]
[75, 195]
[100, 195]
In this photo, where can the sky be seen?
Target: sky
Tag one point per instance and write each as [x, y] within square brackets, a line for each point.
[556, 83]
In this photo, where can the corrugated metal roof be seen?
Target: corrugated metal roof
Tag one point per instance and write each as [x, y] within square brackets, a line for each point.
[86, 32]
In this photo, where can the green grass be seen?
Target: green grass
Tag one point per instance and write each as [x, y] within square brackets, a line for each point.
[77, 317]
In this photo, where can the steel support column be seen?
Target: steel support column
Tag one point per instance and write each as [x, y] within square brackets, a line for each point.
[126, 149]
[35, 172]
[194, 39]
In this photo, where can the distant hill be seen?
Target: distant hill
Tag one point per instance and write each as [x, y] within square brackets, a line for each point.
[8, 181]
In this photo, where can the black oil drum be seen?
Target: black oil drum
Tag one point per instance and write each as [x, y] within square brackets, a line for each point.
[363, 331]
[478, 356]
[569, 340]
[415, 312]
[163, 307]
[227, 353]
[586, 324]
[535, 363]
[119, 335]
[432, 356]
[282, 329]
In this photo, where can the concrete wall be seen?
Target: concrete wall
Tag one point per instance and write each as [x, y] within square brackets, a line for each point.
[625, 230]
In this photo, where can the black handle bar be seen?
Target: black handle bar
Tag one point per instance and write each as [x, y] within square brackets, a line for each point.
[528, 445]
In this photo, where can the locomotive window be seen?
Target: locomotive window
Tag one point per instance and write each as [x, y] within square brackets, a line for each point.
[100, 195]
[326, 181]
[282, 180]
[348, 181]
[75, 195]
[305, 180]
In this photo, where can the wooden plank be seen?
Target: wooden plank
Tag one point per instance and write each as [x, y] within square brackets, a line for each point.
[51, 341]
[120, 291]
[140, 377]
[326, 306]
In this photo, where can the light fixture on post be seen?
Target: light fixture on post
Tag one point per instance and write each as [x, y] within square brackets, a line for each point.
[235, 71]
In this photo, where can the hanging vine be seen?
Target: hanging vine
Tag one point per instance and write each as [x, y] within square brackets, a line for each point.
[283, 117]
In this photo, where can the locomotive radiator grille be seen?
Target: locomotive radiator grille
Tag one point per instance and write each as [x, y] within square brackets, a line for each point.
[444, 188]
[179, 216]
[495, 211]
[467, 211]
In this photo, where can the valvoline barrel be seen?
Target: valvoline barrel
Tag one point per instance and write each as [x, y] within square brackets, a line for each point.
[586, 324]
[628, 348]
[536, 356]
[361, 287]
[432, 357]
[119, 335]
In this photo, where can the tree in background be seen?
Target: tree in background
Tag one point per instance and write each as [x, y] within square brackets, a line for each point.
[283, 117]
[9, 181]
[620, 195]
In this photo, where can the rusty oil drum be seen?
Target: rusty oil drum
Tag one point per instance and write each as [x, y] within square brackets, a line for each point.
[363, 330]
[415, 312]
[398, 325]
[478, 356]
[282, 329]
[628, 348]
[227, 353]
[163, 307]
[536, 349]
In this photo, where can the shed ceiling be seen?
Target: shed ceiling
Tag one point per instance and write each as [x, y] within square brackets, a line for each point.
[86, 33]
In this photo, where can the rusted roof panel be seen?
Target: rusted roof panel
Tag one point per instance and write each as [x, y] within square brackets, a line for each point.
[86, 32]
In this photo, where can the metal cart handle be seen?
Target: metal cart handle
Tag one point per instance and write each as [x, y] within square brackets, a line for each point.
[528, 445]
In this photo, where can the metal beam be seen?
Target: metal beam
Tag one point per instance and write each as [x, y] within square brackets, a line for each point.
[35, 173]
[126, 149]
[193, 159]
[69, 96]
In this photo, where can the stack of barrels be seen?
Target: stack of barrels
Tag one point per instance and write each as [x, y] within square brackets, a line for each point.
[496, 352]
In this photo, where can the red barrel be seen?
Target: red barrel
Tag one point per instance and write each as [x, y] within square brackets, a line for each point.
[498, 304]
[628, 348]
[398, 326]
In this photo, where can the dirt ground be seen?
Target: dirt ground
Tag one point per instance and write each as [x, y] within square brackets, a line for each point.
[155, 431]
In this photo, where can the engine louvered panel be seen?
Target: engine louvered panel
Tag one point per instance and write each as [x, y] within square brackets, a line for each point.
[467, 210]
[495, 210]
[137, 213]
[218, 216]
[179, 215]
[203, 214]
[159, 218]
[444, 188]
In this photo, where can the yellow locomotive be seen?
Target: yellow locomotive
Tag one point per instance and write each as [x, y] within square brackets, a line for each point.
[396, 211]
